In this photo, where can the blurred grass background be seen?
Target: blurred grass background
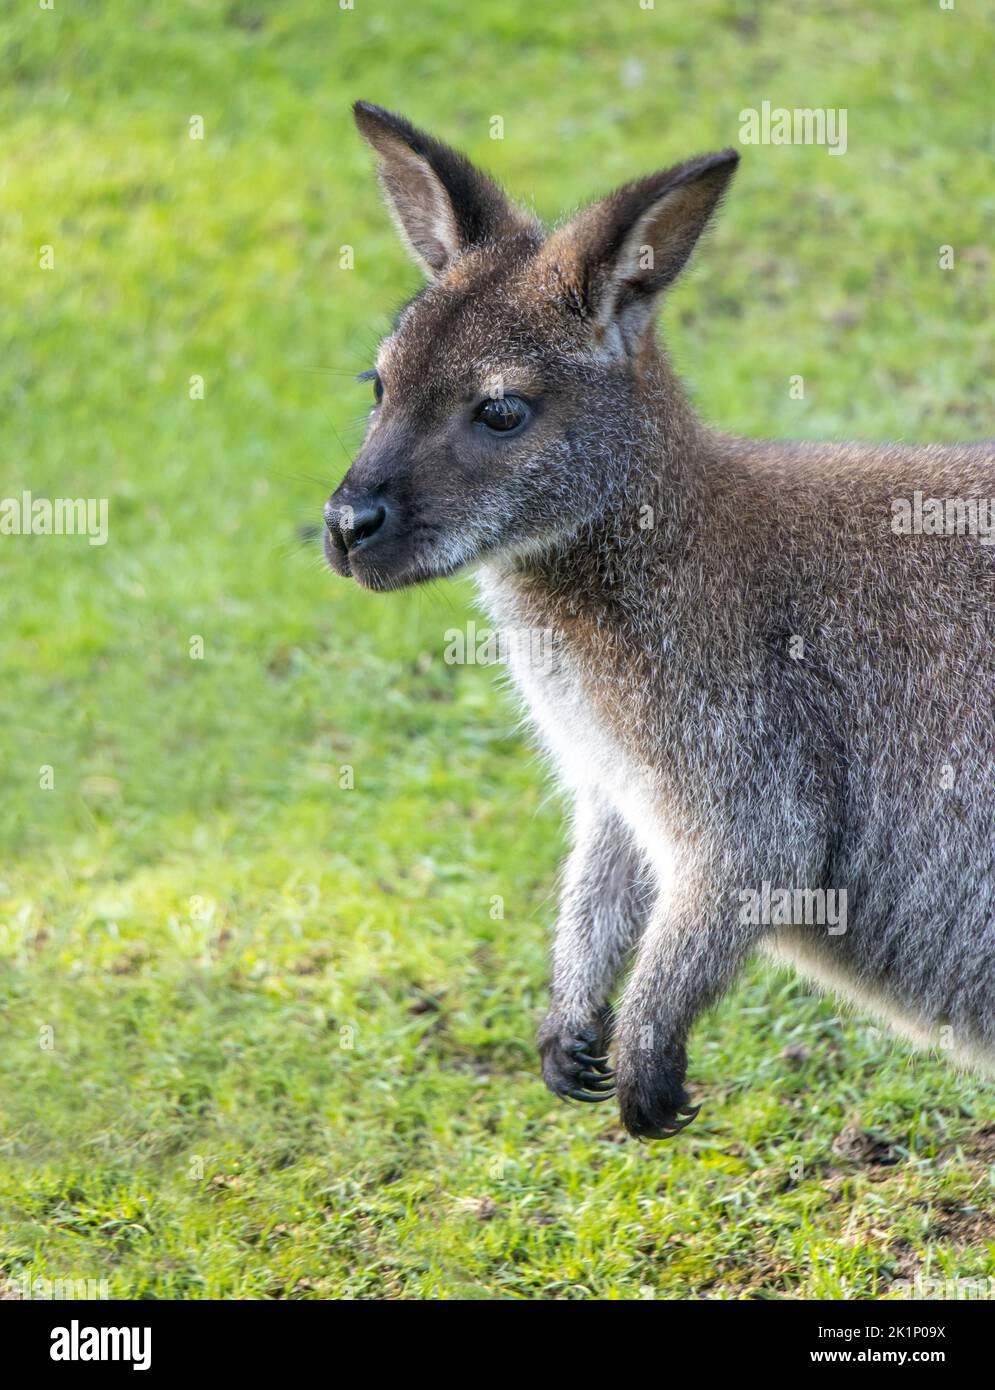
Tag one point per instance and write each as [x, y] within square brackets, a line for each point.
[265, 1035]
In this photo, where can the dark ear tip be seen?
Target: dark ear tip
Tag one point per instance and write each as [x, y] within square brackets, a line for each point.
[722, 159]
[376, 122]
[367, 114]
[366, 109]
[723, 163]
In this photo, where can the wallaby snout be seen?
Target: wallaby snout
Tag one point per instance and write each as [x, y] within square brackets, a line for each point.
[371, 530]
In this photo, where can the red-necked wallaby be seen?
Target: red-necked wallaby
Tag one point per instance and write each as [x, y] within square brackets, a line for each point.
[770, 683]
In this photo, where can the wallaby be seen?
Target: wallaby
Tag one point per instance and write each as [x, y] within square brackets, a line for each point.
[770, 688]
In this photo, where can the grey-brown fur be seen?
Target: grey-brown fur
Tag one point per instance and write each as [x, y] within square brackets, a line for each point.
[765, 683]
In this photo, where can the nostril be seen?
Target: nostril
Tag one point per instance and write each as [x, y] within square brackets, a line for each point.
[333, 529]
[352, 525]
[364, 523]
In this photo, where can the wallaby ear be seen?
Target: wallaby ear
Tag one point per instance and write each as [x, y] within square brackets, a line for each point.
[616, 256]
[441, 203]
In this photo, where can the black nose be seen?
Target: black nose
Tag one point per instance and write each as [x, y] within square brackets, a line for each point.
[355, 526]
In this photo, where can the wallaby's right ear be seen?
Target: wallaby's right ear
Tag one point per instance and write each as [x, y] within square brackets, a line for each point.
[614, 259]
[441, 203]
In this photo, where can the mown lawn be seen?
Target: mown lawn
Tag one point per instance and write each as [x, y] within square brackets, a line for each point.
[265, 1033]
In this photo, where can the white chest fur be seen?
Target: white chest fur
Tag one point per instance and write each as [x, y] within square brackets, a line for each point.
[589, 758]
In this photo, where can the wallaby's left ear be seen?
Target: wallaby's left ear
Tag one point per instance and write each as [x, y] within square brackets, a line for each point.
[442, 203]
[616, 256]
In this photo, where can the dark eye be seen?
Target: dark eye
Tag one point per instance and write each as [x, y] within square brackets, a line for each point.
[503, 415]
[374, 376]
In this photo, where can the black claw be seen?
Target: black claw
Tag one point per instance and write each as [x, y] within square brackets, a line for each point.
[590, 1096]
[588, 1060]
[668, 1131]
[596, 1078]
[671, 1123]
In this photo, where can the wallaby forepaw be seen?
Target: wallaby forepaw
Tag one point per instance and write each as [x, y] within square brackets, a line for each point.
[575, 1060]
[645, 1125]
[655, 1111]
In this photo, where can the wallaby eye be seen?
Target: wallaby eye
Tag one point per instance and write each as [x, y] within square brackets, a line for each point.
[503, 414]
[374, 376]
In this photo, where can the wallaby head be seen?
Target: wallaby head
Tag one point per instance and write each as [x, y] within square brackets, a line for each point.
[522, 376]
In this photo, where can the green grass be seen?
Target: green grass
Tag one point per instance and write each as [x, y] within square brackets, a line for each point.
[267, 1035]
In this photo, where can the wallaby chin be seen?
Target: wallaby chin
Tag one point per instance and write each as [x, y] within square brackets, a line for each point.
[766, 673]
